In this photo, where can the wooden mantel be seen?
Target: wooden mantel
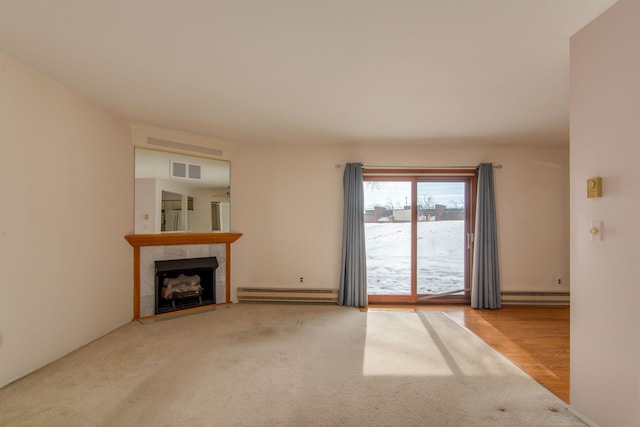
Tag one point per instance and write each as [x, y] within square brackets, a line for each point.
[167, 239]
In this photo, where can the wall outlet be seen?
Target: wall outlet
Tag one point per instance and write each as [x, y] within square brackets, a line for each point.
[301, 279]
[559, 280]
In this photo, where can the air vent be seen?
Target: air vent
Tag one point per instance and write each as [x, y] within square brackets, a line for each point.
[182, 146]
[194, 172]
[184, 170]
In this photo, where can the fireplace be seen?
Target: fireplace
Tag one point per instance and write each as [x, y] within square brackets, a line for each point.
[185, 283]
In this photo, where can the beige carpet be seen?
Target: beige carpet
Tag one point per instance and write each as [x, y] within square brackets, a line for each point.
[285, 365]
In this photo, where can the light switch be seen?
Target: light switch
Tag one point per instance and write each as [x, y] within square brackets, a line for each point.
[595, 230]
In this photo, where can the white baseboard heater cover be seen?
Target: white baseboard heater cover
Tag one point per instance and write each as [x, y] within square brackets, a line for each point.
[535, 298]
[293, 295]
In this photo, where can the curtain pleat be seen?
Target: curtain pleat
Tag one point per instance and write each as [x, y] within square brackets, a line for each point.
[353, 280]
[485, 282]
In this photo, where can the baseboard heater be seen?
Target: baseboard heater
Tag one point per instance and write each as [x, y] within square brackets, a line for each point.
[291, 295]
[535, 298]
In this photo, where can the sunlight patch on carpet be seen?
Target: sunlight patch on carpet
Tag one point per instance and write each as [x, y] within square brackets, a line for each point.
[397, 343]
[425, 344]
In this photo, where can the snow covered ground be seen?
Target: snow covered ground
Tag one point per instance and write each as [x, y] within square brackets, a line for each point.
[441, 247]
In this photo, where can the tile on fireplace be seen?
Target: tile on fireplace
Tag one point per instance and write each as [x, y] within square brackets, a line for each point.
[197, 251]
[175, 252]
[147, 305]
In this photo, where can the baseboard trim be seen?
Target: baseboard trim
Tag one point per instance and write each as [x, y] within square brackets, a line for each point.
[588, 421]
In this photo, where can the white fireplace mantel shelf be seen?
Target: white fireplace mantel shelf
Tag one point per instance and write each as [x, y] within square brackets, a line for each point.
[168, 239]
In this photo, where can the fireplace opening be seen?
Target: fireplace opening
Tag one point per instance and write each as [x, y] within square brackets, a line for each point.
[185, 283]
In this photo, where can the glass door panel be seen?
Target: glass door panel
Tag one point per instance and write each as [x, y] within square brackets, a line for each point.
[441, 237]
[388, 237]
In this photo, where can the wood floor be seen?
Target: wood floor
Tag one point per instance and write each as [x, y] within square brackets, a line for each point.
[534, 338]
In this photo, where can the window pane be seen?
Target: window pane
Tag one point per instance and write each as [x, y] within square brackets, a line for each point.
[441, 237]
[388, 237]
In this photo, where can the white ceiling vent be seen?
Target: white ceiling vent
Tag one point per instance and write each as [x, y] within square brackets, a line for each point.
[182, 146]
[184, 170]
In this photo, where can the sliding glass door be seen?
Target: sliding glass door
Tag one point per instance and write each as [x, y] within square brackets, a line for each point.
[419, 236]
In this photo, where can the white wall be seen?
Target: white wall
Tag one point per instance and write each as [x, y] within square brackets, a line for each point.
[66, 185]
[605, 117]
[288, 203]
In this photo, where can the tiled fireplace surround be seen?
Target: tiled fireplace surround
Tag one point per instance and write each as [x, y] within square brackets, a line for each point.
[149, 248]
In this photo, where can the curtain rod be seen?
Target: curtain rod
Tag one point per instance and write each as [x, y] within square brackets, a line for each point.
[338, 166]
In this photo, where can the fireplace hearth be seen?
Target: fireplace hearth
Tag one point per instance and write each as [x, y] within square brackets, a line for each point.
[185, 283]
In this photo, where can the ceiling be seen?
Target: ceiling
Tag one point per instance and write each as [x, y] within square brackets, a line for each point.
[314, 71]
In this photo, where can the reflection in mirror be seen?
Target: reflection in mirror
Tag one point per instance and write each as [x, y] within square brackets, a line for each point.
[172, 208]
[180, 193]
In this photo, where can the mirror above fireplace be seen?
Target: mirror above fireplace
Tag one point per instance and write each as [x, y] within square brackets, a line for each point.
[180, 193]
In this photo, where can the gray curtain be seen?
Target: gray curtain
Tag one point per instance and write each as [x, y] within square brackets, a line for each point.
[353, 280]
[485, 280]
